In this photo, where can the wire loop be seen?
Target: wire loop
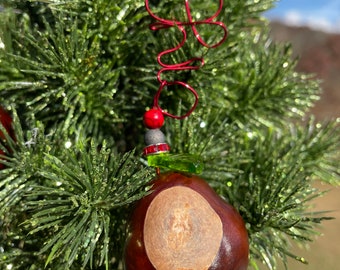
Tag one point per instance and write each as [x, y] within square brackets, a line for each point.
[186, 65]
[185, 85]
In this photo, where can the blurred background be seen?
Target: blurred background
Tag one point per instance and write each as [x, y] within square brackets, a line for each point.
[313, 29]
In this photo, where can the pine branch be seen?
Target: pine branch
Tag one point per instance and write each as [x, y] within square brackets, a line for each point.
[251, 86]
[81, 202]
[81, 195]
[23, 156]
[270, 184]
[66, 65]
[70, 64]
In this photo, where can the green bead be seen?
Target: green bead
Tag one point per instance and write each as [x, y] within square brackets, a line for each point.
[180, 162]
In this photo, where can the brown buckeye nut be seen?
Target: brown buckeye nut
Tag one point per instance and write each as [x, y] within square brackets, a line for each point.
[185, 225]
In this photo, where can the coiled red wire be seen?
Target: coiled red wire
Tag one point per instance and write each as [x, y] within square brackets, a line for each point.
[186, 65]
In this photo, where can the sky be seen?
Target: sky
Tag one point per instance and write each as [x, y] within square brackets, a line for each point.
[317, 14]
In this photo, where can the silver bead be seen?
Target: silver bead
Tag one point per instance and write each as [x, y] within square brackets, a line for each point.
[154, 136]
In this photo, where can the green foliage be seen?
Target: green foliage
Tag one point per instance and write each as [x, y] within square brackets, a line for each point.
[272, 185]
[22, 161]
[79, 194]
[81, 201]
[77, 77]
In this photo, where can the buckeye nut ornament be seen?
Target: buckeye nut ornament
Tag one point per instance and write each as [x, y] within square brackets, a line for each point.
[184, 224]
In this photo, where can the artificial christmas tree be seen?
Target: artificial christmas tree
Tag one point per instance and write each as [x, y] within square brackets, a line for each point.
[77, 77]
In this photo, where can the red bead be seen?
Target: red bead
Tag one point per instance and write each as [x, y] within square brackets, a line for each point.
[153, 118]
